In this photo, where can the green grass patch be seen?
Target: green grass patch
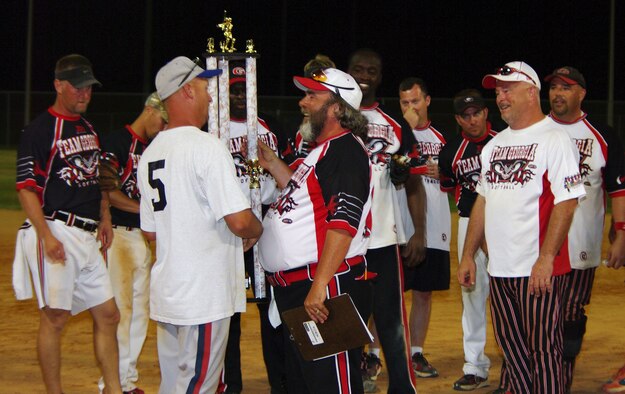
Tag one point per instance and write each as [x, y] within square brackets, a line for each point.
[8, 195]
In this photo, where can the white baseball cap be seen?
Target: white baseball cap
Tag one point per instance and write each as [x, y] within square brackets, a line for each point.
[335, 81]
[515, 72]
[172, 76]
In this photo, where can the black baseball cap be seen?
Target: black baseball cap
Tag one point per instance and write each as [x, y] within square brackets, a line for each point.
[466, 99]
[568, 74]
[77, 70]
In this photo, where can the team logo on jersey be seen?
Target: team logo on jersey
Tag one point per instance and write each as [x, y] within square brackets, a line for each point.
[285, 202]
[379, 137]
[81, 169]
[585, 152]
[238, 149]
[511, 165]
[468, 171]
[81, 155]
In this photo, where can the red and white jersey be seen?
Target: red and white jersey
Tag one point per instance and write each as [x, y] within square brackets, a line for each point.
[429, 143]
[383, 140]
[237, 145]
[524, 174]
[188, 184]
[330, 189]
[602, 167]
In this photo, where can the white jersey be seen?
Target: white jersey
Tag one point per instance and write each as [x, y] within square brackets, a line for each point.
[188, 184]
[601, 168]
[524, 174]
[238, 148]
[330, 189]
[438, 216]
[383, 140]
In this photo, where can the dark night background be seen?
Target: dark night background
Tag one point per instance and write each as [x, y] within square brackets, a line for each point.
[451, 44]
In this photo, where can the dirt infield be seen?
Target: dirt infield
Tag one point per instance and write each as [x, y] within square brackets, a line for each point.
[603, 351]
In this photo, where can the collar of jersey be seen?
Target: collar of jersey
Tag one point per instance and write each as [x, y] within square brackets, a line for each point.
[557, 120]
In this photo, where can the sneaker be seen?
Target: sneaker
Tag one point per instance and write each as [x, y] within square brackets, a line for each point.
[370, 366]
[422, 368]
[470, 382]
[136, 390]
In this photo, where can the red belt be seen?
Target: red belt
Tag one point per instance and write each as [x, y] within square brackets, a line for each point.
[307, 272]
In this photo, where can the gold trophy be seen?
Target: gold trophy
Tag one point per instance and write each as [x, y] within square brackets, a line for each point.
[226, 26]
[210, 45]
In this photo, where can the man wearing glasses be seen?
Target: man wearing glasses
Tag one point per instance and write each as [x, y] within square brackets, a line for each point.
[317, 232]
[459, 164]
[602, 166]
[527, 194]
[193, 206]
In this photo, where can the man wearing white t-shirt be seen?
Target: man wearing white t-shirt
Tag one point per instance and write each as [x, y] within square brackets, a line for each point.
[193, 206]
[528, 191]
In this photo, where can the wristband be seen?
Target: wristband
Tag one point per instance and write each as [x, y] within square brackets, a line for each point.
[619, 226]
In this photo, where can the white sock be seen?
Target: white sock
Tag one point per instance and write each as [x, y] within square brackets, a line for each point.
[416, 349]
[375, 350]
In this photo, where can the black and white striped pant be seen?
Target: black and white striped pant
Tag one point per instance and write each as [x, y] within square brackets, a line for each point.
[529, 330]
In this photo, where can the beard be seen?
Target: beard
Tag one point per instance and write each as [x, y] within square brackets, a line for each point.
[305, 130]
[318, 119]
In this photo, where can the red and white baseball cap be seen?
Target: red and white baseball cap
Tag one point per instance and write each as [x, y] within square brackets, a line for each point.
[335, 81]
[513, 72]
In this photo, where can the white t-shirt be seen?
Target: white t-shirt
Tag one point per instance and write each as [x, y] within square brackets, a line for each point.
[383, 140]
[188, 184]
[438, 216]
[524, 174]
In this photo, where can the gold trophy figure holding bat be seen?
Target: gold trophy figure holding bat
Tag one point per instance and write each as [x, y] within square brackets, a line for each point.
[226, 26]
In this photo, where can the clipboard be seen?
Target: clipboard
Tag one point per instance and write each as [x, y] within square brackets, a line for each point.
[344, 329]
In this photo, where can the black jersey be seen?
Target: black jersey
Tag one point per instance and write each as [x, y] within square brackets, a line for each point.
[122, 149]
[58, 157]
[460, 166]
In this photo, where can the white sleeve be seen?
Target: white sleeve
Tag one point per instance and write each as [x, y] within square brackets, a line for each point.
[219, 181]
[563, 168]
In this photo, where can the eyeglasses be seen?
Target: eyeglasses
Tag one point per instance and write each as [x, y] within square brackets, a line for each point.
[506, 70]
[321, 77]
[196, 63]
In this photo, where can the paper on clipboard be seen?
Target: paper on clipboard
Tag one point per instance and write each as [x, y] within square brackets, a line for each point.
[344, 329]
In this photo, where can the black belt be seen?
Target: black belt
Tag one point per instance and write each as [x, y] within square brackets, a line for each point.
[127, 228]
[72, 220]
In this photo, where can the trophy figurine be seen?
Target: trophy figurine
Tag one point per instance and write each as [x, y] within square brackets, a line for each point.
[210, 45]
[249, 46]
[226, 26]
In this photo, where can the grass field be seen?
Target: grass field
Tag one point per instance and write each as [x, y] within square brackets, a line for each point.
[8, 196]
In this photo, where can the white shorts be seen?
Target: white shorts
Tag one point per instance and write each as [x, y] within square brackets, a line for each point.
[79, 284]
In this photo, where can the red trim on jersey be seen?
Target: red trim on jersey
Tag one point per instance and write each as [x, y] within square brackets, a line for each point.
[488, 132]
[58, 132]
[602, 142]
[137, 136]
[320, 210]
[618, 193]
[427, 126]
[391, 121]
[557, 120]
[561, 262]
[63, 117]
[339, 224]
